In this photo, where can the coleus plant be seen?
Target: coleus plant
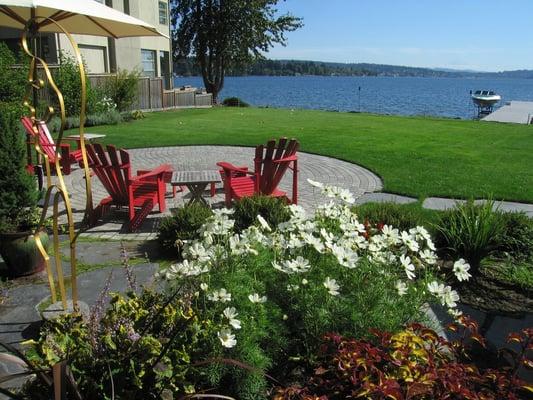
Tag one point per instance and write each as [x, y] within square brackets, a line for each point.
[415, 363]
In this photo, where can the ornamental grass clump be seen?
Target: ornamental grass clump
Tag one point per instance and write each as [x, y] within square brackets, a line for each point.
[470, 231]
[273, 292]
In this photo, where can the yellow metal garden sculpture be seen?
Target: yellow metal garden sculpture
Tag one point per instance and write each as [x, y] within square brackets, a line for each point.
[56, 189]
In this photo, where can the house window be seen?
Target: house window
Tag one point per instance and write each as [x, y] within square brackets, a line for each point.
[127, 7]
[148, 63]
[163, 13]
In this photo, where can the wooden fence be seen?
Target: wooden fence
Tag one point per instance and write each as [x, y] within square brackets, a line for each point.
[151, 94]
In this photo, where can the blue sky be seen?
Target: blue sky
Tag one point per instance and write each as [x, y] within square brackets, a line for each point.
[483, 35]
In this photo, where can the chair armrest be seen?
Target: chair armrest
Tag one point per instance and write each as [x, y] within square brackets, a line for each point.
[290, 158]
[161, 170]
[228, 167]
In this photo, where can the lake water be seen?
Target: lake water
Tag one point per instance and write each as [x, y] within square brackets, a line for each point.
[447, 97]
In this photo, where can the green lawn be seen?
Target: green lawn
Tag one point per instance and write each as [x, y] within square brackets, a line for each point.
[415, 156]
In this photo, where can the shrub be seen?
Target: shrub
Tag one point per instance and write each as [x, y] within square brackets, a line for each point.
[67, 79]
[401, 216]
[234, 102]
[18, 190]
[413, 364]
[470, 231]
[274, 292]
[517, 238]
[13, 82]
[273, 210]
[111, 117]
[139, 347]
[132, 115]
[122, 88]
[181, 226]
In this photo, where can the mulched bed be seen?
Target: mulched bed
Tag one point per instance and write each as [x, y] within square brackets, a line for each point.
[490, 294]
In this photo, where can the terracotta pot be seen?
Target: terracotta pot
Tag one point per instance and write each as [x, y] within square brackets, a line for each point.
[21, 254]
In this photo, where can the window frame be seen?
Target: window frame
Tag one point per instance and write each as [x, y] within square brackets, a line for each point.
[154, 62]
[163, 9]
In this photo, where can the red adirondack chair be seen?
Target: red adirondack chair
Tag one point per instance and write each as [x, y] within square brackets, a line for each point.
[270, 164]
[67, 156]
[140, 193]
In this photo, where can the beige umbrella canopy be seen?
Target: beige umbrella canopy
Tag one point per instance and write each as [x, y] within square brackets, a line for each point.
[76, 16]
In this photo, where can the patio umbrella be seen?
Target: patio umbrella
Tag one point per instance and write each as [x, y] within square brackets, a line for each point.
[76, 16]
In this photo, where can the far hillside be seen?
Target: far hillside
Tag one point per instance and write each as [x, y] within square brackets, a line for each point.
[267, 67]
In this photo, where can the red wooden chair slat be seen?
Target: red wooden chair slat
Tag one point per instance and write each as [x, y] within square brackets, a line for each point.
[140, 193]
[67, 156]
[270, 165]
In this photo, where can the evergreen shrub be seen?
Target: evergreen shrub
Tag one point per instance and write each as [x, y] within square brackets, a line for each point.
[18, 191]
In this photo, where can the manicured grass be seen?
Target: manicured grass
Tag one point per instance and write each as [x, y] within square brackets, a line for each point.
[415, 156]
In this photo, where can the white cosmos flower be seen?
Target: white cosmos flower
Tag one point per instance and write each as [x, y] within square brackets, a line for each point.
[408, 266]
[460, 269]
[332, 286]
[298, 212]
[264, 223]
[187, 268]
[197, 251]
[454, 312]
[450, 297]
[230, 313]
[401, 287]
[255, 298]
[227, 338]
[298, 265]
[436, 288]
[204, 286]
[292, 288]
[223, 211]
[345, 256]
[315, 183]
[346, 196]
[420, 233]
[312, 240]
[221, 295]
[428, 256]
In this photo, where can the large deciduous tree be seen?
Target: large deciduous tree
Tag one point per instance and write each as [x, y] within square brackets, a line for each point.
[224, 34]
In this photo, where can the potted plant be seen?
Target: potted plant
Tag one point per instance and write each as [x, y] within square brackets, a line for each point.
[19, 216]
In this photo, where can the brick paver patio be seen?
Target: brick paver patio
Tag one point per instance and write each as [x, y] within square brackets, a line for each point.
[319, 168]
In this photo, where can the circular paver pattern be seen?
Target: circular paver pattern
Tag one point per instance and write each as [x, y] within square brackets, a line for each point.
[319, 168]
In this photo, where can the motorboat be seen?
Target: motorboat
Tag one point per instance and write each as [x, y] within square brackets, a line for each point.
[485, 98]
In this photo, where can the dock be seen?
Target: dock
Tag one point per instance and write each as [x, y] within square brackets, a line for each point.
[516, 112]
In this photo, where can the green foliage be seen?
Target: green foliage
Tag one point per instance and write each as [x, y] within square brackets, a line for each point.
[140, 346]
[111, 117]
[274, 210]
[519, 274]
[470, 231]
[234, 102]
[13, 82]
[414, 364]
[67, 79]
[183, 225]
[18, 189]
[122, 88]
[202, 30]
[517, 238]
[401, 216]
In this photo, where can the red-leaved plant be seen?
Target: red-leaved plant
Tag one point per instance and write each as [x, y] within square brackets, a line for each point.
[416, 364]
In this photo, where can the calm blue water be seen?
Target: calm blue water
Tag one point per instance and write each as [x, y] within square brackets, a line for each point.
[447, 97]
